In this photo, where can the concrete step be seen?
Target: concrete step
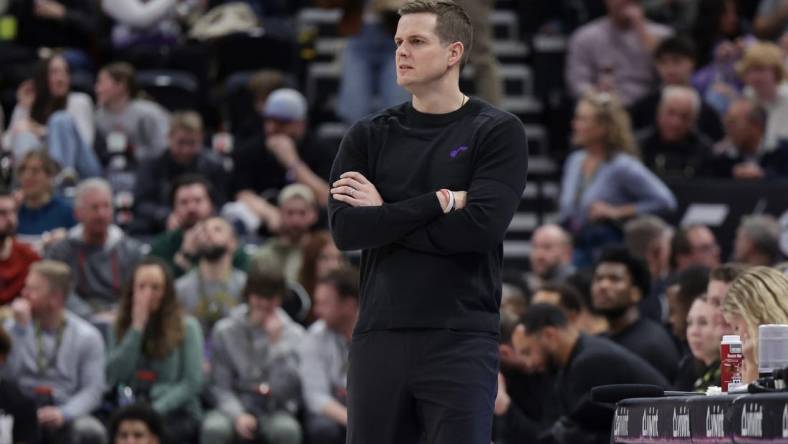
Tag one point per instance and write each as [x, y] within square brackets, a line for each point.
[506, 24]
[506, 51]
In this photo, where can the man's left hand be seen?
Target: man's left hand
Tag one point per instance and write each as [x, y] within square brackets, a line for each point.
[355, 190]
[50, 417]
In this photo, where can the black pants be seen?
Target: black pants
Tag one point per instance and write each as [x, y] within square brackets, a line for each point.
[422, 386]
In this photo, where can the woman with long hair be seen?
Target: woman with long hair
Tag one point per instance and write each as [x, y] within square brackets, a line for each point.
[604, 182]
[756, 297]
[49, 115]
[156, 351]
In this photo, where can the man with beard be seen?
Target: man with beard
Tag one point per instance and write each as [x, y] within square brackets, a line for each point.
[548, 343]
[620, 281]
[100, 255]
[191, 203]
[15, 256]
[211, 289]
[525, 405]
[298, 209]
[185, 154]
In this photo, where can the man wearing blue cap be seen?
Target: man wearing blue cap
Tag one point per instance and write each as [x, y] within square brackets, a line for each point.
[283, 152]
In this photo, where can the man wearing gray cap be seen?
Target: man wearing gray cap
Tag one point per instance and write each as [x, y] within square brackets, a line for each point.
[283, 152]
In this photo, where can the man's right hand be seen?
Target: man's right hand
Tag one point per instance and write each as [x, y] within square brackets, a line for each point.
[246, 426]
[191, 239]
[21, 311]
[140, 311]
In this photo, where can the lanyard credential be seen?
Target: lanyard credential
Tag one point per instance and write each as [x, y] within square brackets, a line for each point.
[43, 362]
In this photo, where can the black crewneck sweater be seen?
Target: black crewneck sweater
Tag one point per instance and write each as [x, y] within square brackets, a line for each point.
[420, 268]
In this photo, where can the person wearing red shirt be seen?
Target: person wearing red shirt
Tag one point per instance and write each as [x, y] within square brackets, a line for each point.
[15, 256]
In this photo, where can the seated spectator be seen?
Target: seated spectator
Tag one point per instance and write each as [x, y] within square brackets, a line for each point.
[648, 239]
[721, 32]
[156, 351]
[742, 155]
[578, 313]
[136, 424]
[185, 155]
[694, 245]
[15, 256]
[324, 356]
[620, 281]
[700, 369]
[551, 256]
[690, 285]
[127, 125]
[299, 213]
[17, 411]
[40, 210]
[675, 57]
[718, 22]
[757, 241]
[48, 116]
[320, 257]
[99, 253]
[756, 297]
[254, 376]
[57, 358]
[548, 343]
[284, 152]
[603, 182]
[49, 91]
[525, 405]
[672, 147]
[720, 279]
[762, 70]
[191, 203]
[626, 68]
[213, 288]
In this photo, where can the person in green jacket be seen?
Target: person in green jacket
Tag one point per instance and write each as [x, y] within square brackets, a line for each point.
[156, 351]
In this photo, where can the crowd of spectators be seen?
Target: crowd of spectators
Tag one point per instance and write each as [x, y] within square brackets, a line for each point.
[166, 273]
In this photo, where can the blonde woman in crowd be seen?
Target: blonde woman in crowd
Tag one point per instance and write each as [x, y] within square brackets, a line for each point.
[756, 297]
[603, 181]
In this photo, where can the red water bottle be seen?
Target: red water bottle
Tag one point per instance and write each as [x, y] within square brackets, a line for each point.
[731, 361]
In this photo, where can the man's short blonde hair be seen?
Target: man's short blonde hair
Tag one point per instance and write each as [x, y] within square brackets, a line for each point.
[186, 121]
[56, 273]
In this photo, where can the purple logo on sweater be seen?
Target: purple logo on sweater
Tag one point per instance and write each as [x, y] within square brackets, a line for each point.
[456, 152]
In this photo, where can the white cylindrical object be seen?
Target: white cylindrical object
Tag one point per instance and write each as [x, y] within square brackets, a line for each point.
[772, 347]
